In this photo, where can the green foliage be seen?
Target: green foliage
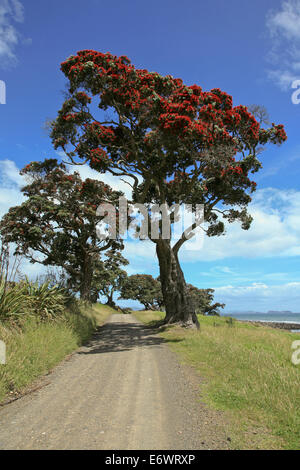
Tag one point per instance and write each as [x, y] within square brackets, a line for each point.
[144, 288]
[108, 275]
[178, 144]
[147, 291]
[203, 301]
[45, 301]
[27, 298]
[13, 300]
[56, 225]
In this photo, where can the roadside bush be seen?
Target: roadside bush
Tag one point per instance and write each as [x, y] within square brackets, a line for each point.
[13, 300]
[43, 301]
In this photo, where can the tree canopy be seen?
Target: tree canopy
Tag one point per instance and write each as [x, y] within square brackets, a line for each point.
[56, 225]
[203, 301]
[109, 277]
[177, 142]
[145, 289]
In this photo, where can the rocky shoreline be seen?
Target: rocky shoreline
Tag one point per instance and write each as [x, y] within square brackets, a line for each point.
[278, 325]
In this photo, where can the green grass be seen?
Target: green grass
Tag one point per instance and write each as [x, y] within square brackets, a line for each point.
[105, 310]
[36, 347]
[248, 373]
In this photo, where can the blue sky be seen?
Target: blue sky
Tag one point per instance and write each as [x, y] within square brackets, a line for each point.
[249, 49]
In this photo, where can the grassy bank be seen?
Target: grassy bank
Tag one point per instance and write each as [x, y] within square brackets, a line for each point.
[36, 347]
[248, 373]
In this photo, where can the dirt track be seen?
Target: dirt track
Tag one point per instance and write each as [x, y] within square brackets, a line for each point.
[125, 390]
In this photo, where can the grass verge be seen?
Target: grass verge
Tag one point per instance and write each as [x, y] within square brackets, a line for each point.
[36, 347]
[248, 373]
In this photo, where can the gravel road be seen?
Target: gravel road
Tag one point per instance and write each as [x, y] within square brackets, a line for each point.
[125, 390]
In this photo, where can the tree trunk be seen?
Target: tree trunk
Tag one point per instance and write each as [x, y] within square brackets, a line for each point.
[177, 301]
[94, 298]
[86, 279]
[110, 301]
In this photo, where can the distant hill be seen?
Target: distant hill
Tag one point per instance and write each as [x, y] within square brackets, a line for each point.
[283, 312]
[270, 312]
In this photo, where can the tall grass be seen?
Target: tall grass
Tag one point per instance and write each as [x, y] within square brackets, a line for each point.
[34, 347]
[249, 374]
[40, 324]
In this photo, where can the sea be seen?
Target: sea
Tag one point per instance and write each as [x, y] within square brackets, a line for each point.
[281, 317]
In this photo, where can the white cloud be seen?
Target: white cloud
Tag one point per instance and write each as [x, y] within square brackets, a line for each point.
[282, 78]
[11, 12]
[283, 26]
[115, 182]
[32, 271]
[10, 184]
[260, 297]
[281, 164]
[140, 249]
[10, 195]
[9, 198]
[85, 171]
[286, 21]
[18, 10]
[10, 174]
[275, 232]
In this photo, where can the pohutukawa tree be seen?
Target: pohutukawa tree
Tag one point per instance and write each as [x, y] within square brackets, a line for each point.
[178, 143]
[143, 288]
[56, 225]
[203, 301]
[109, 276]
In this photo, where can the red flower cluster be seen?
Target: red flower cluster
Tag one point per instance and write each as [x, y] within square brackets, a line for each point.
[70, 117]
[182, 110]
[98, 154]
[76, 118]
[219, 98]
[280, 133]
[68, 178]
[98, 159]
[159, 117]
[103, 134]
[233, 170]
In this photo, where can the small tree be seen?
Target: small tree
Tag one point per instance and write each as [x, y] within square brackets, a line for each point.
[109, 277]
[144, 288]
[203, 301]
[178, 143]
[56, 225]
